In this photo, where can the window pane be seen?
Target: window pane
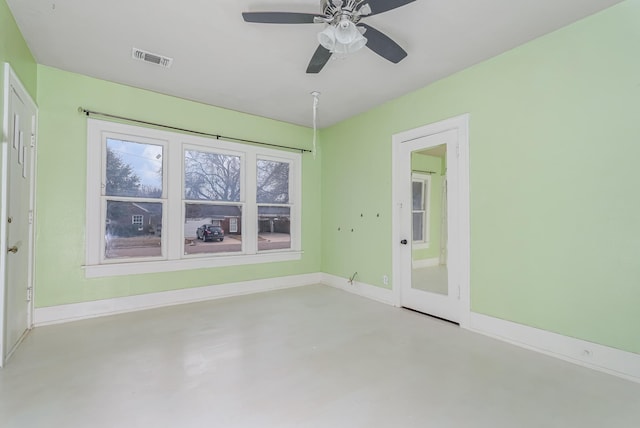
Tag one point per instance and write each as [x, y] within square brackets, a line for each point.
[211, 176]
[274, 228]
[212, 229]
[273, 182]
[133, 229]
[417, 195]
[133, 169]
[418, 226]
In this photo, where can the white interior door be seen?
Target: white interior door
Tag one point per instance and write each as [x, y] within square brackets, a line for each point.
[430, 227]
[429, 282]
[17, 213]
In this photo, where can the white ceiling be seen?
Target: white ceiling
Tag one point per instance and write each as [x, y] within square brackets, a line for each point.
[260, 68]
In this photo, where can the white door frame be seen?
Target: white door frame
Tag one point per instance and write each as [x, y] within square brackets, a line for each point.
[12, 80]
[461, 125]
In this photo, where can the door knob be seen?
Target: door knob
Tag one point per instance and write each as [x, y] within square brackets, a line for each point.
[403, 242]
[13, 249]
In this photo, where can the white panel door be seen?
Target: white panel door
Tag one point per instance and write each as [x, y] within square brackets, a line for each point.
[17, 212]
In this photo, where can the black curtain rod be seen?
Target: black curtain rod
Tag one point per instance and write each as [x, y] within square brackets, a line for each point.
[175, 128]
[425, 172]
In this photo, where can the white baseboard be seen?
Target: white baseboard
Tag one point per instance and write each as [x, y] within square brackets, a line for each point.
[602, 358]
[592, 355]
[587, 354]
[423, 263]
[372, 292]
[77, 311]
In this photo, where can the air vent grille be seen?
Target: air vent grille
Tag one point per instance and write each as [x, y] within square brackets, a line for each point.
[156, 59]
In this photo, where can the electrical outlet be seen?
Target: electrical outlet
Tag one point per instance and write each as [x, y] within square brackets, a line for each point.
[385, 279]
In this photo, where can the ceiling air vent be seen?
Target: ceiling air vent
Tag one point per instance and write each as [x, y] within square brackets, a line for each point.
[156, 59]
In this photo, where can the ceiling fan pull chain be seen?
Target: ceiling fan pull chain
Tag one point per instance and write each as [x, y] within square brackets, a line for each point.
[315, 95]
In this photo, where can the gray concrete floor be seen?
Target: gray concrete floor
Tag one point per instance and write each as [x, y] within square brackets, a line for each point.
[305, 357]
[431, 278]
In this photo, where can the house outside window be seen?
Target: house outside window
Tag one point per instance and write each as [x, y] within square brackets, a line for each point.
[250, 194]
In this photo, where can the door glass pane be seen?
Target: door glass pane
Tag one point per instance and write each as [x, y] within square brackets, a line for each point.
[133, 229]
[273, 182]
[211, 176]
[429, 259]
[133, 169]
[212, 229]
[274, 228]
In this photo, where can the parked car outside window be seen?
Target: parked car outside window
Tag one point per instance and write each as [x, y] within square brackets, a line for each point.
[208, 232]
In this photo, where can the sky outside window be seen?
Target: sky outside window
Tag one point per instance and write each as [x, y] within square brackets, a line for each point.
[145, 160]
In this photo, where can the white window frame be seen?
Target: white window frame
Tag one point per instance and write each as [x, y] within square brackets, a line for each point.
[173, 257]
[267, 204]
[425, 179]
[134, 217]
[217, 149]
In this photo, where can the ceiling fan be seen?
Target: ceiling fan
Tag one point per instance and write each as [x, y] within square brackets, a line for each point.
[344, 32]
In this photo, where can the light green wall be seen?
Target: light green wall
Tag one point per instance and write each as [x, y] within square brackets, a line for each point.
[422, 162]
[554, 152]
[60, 232]
[14, 50]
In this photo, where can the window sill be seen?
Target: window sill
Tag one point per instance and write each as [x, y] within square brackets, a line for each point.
[421, 246]
[134, 268]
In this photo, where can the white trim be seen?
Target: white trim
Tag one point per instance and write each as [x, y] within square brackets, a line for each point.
[588, 354]
[598, 357]
[383, 295]
[594, 356]
[134, 268]
[4, 172]
[78, 311]
[421, 246]
[423, 263]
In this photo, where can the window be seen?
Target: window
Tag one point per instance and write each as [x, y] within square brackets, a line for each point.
[133, 170]
[212, 190]
[421, 184]
[274, 210]
[226, 204]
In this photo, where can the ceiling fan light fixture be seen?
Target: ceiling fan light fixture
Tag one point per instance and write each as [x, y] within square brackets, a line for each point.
[359, 42]
[327, 38]
[346, 31]
[343, 38]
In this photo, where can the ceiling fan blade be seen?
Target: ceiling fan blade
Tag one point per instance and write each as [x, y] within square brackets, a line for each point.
[383, 45]
[379, 6]
[279, 17]
[318, 60]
